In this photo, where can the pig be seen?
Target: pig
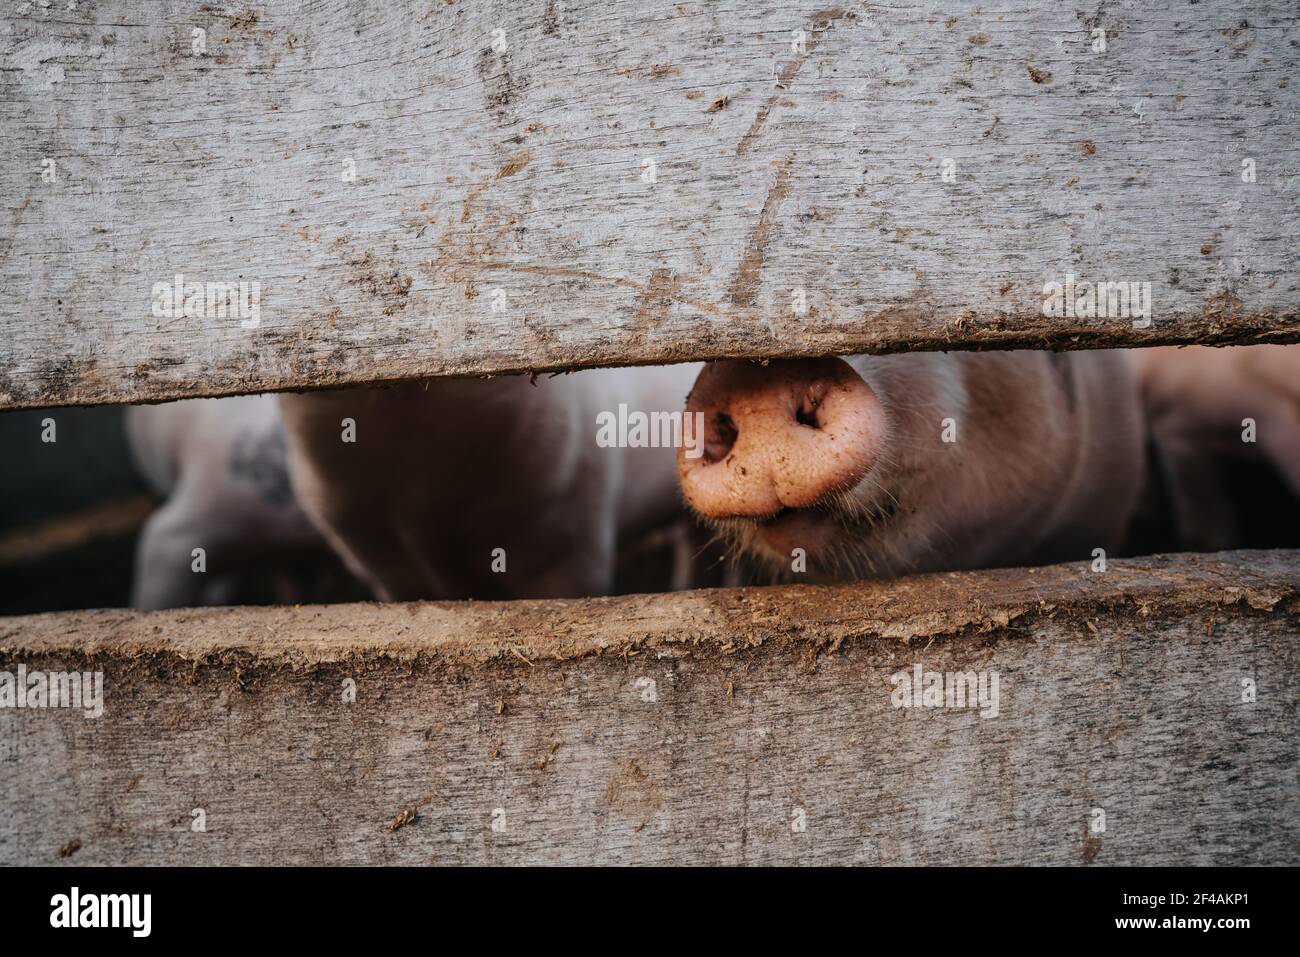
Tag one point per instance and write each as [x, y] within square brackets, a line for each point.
[1210, 411]
[220, 465]
[454, 488]
[875, 466]
[462, 488]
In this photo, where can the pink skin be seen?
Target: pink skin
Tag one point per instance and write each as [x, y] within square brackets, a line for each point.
[845, 459]
[220, 466]
[754, 416]
[1196, 399]
[441, 474]
[445, 472]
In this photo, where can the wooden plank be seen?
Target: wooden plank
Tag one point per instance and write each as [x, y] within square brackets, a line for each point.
[692, 727]
[499, 219]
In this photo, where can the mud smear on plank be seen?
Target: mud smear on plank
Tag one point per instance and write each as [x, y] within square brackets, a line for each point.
[383, 281]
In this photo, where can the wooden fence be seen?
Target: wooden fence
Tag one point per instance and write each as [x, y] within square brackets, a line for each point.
[369, 192]
[426, 189]
[1143, 716]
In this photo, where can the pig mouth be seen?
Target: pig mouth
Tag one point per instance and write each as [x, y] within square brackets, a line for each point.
[774, 537]
[792, 528]
[841, 536]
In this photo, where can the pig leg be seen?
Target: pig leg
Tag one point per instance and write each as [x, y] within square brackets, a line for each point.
[163, 574]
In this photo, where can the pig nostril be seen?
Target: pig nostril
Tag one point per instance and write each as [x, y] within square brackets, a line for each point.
[721, 438]
[806, 414]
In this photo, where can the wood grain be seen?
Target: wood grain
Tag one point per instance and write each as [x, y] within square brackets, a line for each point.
[695, 727]
[512, 175]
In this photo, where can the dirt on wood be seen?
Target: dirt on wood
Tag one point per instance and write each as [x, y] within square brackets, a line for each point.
[255, 644]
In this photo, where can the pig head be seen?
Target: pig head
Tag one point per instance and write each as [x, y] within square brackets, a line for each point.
[882, 465]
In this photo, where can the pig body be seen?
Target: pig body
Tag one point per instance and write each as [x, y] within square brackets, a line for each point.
[1211, 410]
[491, 489]
[883, 465]
[440, 476]
[220, 465]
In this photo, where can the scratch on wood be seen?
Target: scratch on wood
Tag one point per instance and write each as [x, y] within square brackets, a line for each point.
[655, 297]
[1091, 847]
[381, 280]
[17, 215]
[515, 164]
[744, 287]
[820, 23]
[655, 290]
[633, 793]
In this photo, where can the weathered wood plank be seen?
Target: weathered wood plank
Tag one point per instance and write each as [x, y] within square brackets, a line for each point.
[692, 727]
[511, 176]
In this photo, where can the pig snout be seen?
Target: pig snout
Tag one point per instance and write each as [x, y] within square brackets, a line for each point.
[781, 436]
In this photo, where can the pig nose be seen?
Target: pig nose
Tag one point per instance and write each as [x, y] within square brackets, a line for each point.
[784, 435]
